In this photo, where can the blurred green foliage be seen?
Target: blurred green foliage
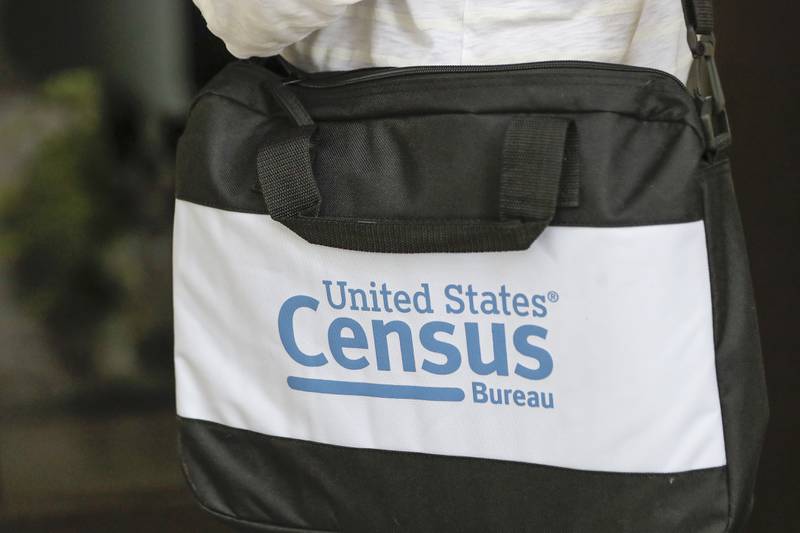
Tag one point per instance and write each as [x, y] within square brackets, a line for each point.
[87, 235]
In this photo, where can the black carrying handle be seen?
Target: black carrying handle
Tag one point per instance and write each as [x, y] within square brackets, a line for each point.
[539, 173]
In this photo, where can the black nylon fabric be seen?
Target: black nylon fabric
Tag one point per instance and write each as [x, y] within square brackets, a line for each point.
[535, 151]
[740, 373]
[640, 144]
[247, 477]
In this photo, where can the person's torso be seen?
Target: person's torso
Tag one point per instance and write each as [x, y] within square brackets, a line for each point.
[649, 33]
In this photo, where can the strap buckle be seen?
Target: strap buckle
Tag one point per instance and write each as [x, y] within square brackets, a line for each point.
[706, 87]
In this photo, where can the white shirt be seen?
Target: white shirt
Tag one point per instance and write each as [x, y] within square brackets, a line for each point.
[346, 34]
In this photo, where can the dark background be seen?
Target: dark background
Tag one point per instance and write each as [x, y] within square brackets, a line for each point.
[759, 57]
[90, 446]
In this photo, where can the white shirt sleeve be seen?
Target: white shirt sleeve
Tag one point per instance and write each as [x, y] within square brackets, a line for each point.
[265, 27]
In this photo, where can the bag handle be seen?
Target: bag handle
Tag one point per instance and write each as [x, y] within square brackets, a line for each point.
[539, 173]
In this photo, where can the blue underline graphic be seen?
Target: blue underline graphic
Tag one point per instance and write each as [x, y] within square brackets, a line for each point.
[376, 390]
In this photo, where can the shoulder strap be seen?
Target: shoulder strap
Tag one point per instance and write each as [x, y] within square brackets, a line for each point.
[699, 16]
[704, 82]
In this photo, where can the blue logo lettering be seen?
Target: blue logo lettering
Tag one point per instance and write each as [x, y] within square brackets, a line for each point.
[354, 348]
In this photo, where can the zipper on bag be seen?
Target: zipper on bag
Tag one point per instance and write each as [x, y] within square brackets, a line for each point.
[341, 79]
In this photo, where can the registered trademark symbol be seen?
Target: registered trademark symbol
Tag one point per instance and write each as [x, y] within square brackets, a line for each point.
[552, 296]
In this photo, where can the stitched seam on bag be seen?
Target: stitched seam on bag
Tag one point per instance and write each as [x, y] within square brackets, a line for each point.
[366, 221]
[716, 171]
[220, 206]
[574, 224]
[396, 85]
[457, 458]
[546, 112]
[425, 113]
